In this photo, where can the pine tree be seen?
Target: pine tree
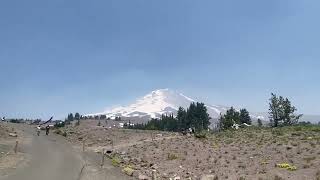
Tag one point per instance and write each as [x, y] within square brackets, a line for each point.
[281, 111]
[181, 117]
[231, 117]
[70, 117]
[259, 123]
[244, 116]
[77, 116]
[274, 110]
[191, 119]
[202, 117]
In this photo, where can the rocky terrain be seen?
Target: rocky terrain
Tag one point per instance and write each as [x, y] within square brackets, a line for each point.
[251, 153]
[4, 131]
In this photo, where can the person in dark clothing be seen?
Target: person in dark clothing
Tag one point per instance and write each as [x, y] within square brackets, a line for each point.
[47, 130]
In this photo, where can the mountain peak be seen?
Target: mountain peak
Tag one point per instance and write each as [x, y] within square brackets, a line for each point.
[158, 102]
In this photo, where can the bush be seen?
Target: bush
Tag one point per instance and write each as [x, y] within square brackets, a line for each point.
[277, 132]
[64, 134]
[115, 161]
[201, 135]
[59, 124]
[58, 131]
[172, 156]
[128, 170]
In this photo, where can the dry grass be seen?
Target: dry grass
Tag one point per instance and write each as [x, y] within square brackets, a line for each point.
[249, 153]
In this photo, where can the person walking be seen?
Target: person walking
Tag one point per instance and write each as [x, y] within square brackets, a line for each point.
[47, 130]
[38, 130]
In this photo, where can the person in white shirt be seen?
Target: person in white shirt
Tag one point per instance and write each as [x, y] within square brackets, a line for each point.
[38, 130]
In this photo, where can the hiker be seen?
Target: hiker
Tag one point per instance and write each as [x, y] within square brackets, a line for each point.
[47, 130]
[38, 130]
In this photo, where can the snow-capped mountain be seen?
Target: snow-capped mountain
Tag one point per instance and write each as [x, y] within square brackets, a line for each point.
[158, 102]
[166, 101]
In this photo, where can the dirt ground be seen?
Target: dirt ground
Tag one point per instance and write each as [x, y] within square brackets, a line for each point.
[252, 153]
[4, 130]
[9, 160]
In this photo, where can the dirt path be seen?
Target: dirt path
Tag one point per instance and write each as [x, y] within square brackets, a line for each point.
[52, 158]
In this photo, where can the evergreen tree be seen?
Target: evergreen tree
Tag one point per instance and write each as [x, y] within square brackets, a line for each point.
[288, 116]
[196, 117]
[259, 123]
[118, 118]
[231, 117]
[244, 116]
[202, 117]
[70, 117]
[103, 116]
[181, 117]
[281, 111]
[191, 113]
[77, 116]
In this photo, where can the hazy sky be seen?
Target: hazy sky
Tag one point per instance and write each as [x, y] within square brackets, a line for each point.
[65, 56]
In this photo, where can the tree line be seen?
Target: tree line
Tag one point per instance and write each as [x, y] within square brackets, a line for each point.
[232, 117]
[281, 113]
[195, 117]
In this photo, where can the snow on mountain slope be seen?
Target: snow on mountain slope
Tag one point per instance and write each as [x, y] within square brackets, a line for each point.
[158, 102]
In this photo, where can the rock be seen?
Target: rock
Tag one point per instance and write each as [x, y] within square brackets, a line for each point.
[13, 135]
[154, 166]
[165, 175]
[125, 160]
[143, 177]
[97, 150]
[208, 177]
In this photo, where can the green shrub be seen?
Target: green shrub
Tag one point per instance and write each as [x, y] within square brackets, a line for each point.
[115, 161]
[277, 131]
[128, 170]
[297, 128]
[201, 135]
[59, 124]
[172, 156]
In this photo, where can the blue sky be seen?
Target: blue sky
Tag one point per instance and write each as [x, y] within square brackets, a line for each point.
[65, 56]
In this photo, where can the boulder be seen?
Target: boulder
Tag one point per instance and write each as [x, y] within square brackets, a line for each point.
[143, 177]
[13, 135]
